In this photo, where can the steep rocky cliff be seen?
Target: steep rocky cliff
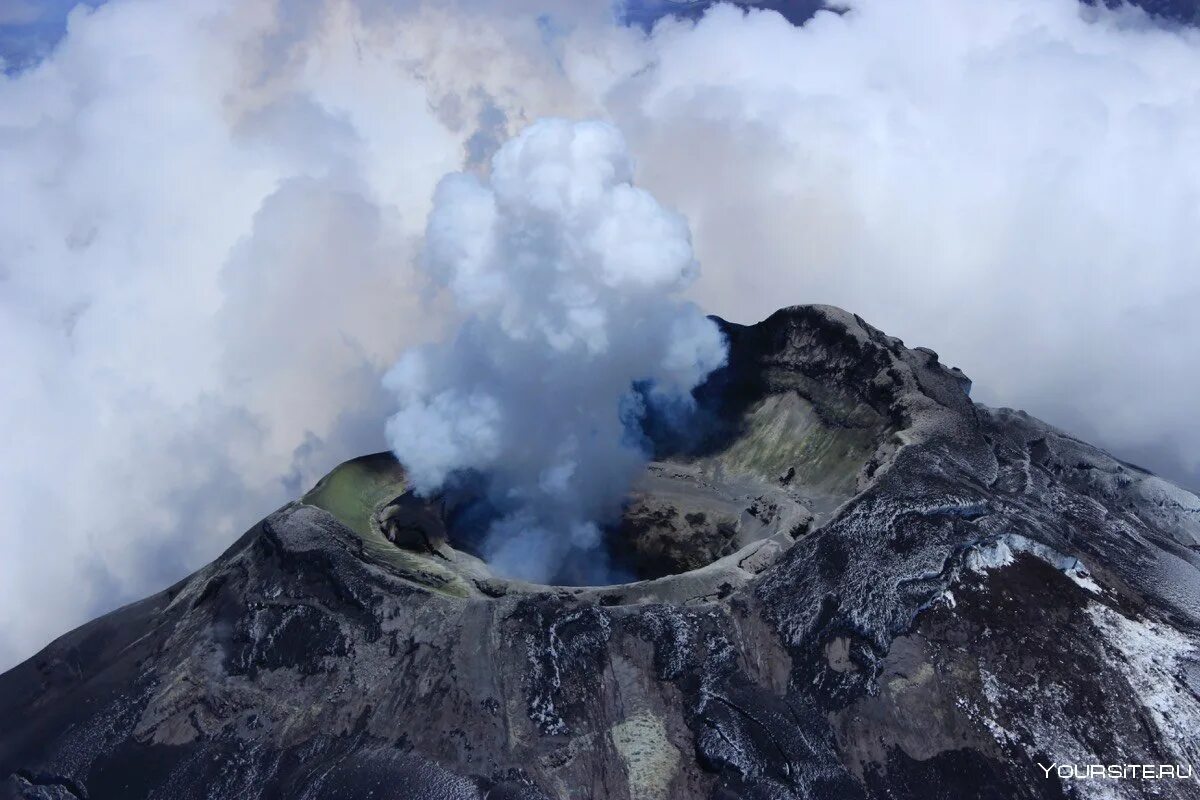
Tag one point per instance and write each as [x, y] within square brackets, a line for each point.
[857, 583]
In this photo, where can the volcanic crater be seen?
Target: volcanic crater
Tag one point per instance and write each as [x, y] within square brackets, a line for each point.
[765, 456]
[854, 582]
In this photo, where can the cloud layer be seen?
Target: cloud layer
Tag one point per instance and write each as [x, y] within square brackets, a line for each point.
[212, 214]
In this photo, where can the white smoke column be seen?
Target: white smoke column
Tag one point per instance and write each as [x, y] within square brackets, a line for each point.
[568, 277]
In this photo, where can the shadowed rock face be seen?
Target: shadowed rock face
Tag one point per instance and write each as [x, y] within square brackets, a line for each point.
[869, 587]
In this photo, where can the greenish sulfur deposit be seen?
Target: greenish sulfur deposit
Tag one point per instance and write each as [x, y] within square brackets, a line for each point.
[354, 492]
[651, 761]
[785, 431]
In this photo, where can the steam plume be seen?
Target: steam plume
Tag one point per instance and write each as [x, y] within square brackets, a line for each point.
[569, 278]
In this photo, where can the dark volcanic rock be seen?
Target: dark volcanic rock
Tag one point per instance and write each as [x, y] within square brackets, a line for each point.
[897, 593]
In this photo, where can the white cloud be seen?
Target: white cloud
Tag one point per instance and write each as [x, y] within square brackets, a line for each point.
[204, 275]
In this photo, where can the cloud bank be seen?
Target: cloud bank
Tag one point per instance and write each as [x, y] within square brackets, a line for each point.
[212, 214]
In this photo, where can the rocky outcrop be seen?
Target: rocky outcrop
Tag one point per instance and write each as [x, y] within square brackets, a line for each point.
[866, 586]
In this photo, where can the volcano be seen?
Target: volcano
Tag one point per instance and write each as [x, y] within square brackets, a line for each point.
[847, 580]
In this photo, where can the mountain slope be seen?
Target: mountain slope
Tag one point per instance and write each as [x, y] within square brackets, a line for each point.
[866, 586]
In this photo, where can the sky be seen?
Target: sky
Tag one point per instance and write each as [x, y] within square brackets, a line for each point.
[213, 214]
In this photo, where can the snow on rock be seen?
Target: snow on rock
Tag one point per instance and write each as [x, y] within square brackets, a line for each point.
[1003, 551]
[1155, 658]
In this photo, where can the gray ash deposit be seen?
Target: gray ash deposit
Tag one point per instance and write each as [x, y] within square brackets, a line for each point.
[847, 580]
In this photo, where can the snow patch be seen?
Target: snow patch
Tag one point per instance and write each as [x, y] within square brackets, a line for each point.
[1078, 573]
[989, 556]
[1002, 551]
[1154, 657]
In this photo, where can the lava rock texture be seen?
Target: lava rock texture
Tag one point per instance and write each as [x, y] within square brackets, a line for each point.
[919, 597]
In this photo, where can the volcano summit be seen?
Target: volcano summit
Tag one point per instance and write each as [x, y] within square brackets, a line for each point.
[847, 580]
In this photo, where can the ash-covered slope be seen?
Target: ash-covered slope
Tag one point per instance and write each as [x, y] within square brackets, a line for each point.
[868, 586]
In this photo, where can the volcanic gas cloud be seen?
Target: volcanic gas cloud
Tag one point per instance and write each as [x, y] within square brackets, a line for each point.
[568, 279]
